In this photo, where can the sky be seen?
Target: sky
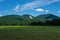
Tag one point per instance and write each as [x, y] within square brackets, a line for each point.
[31, 7]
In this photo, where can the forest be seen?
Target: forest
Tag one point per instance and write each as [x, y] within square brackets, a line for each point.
[28, 20]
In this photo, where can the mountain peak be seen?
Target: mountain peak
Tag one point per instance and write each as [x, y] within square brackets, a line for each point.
[26, 15]
[46, 17]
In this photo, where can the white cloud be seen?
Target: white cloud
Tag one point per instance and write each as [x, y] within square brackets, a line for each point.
[36, 4]
[54, 0]
[1, 0]
[17, 7]
[46, 10]
[40, 10]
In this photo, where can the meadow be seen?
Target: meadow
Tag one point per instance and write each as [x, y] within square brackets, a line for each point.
[29, 32]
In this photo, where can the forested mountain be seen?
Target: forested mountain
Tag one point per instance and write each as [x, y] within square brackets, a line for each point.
[45, 17]
[26, 19]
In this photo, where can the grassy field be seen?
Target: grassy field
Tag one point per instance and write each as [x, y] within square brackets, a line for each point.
[29, 32]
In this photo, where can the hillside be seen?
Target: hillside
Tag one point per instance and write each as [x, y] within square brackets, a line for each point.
[44, 17]
[25, 19]
[10, 19]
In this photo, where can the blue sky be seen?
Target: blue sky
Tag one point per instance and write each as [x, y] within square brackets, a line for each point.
[32, 7]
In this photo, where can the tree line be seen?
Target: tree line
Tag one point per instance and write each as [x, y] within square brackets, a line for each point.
[54, 22]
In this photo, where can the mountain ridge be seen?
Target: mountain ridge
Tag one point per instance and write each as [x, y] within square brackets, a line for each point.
[25, 19]
[28, 17]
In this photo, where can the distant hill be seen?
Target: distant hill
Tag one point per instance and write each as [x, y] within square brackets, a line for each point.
[15, 19]
[10, 19]
[24, 19]
[27, 17]
[44, 17]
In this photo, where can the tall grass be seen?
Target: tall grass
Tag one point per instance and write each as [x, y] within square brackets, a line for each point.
[29, 32]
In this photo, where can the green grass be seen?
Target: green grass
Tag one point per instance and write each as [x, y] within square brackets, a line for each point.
[29, 32]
